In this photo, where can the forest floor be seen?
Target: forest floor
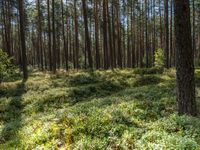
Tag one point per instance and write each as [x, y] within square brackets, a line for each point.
[120, 109]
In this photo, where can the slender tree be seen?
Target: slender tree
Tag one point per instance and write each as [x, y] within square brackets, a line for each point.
[39, 30]
[96, 16]
[171, 34]
[87, 36]
[54, 36]
[161, 26]
[105, 35]
[146, 33]
[76, 56]
[193, 26]
[65, 47]
[49, 35]
[23, 41]
[166, 34]
[119, 62]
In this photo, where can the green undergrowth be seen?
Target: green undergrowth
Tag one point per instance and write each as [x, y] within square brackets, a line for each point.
[118, 109]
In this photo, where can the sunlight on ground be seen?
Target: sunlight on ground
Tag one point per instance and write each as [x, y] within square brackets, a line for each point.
[120, 109]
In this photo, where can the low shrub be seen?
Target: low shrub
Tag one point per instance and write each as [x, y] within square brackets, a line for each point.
[6, 67]
[153, 70]
[159, 58]
[147, 80]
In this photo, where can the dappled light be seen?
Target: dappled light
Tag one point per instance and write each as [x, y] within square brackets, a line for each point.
[95, 110]
[11, 114]
[99, 75]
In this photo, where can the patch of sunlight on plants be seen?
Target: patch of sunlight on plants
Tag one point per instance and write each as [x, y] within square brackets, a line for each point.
[162, 140]
[114, 109]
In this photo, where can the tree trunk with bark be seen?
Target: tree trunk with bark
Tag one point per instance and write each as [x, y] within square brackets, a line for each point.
[184, 59]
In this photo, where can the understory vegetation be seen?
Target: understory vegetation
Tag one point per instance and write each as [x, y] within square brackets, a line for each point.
[118, 109]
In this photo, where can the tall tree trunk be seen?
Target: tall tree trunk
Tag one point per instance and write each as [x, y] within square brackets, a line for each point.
[129, 52]
[146, 33]
[23, 41]
[119, 61]
[39, 23]
[54, 37]
[87, 36]
[64, 37]
[49, 36]
[105, 39]
[154, 31]
[6, 12]
[184, 59]
[193, 26]
[171, 34]
[97, 34]
[166, 34]
[141, 37]
[76, 36]
[133, 34]
[110, 38]
[161, 25]
[114, 38]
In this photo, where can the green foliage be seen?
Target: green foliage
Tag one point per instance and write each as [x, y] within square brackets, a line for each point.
[117, 109]
[6, 68]
[147, 80]
[154, 70]
[82, 79]
[159, 58]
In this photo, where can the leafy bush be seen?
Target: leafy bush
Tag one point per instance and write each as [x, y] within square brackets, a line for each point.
[154, 70]
[82, 79]
[159, 58]
[6, 68]
[147, 80]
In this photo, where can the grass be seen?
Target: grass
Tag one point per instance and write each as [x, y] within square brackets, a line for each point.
[120, 109]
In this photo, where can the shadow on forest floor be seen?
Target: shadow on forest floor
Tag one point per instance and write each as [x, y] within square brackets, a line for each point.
[86, 88]
[91, 106]
[12, 115]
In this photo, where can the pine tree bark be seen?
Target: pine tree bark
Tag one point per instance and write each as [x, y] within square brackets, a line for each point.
[23, 41]
[105, 38]
[146, 33]
[161, 25]
[154, 31]
[133, 34]
[65, 47]
[96, 15]
[39, 24]
[76, 36]
[110, 54]
[49, 36]
[119, 61]
[184, 59]
[193, 26]
[54, 37]
[129, 52]
[6, 12]
[87, 36]
[166, 34]
[171, 34]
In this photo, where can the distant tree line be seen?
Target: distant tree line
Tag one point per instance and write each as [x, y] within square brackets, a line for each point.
[83, 34]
